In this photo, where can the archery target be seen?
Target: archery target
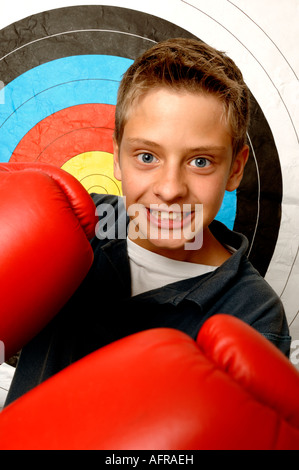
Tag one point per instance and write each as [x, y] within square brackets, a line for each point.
[61, 70]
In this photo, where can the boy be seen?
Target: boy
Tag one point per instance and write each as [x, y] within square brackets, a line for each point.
[179, 143]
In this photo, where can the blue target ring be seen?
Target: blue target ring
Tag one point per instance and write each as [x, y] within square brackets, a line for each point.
[51, 87]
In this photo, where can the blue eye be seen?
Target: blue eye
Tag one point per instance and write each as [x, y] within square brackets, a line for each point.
[200, 162]
[146, 158]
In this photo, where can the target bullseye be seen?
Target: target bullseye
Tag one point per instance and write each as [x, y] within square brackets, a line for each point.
[95, 171]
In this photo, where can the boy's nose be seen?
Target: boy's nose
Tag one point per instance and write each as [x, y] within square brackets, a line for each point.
[170, 185]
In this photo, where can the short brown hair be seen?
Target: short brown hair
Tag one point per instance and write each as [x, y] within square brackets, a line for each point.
[190, 65]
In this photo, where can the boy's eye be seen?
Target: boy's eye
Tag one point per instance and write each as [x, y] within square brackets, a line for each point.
[146, 158]
[200, 162]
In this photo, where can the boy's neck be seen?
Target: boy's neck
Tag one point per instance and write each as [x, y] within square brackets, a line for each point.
[212, 253]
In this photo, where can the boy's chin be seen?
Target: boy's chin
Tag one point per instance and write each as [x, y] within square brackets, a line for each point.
[171, 245]
[165, 240]
[175, 249]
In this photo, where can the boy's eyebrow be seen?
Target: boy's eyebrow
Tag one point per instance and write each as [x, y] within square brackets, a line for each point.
[203, 148]
[138, 141]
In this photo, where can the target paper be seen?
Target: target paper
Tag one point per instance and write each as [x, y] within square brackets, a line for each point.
[61, 69]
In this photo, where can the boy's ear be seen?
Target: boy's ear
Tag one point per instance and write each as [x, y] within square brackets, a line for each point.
[116, 164]
[237, 170]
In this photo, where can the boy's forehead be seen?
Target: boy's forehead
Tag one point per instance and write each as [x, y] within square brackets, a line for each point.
[170, 95]
[188, 111]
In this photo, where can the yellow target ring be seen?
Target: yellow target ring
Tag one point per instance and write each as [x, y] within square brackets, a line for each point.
[94, 170]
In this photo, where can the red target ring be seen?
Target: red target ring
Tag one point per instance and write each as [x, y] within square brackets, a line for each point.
[67, 133]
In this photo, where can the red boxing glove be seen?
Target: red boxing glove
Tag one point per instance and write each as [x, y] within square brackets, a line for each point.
[47, 218]
[160, 390]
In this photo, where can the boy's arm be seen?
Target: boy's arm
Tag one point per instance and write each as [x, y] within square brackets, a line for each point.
[250, 298]
[265, 313]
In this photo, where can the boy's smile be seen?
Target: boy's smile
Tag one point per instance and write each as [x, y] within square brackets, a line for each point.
[175, 158]
[165, 217]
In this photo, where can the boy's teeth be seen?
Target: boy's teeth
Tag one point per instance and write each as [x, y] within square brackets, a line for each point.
[167, 215]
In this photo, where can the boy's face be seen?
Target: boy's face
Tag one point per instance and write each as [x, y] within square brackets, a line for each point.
[175, 157]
